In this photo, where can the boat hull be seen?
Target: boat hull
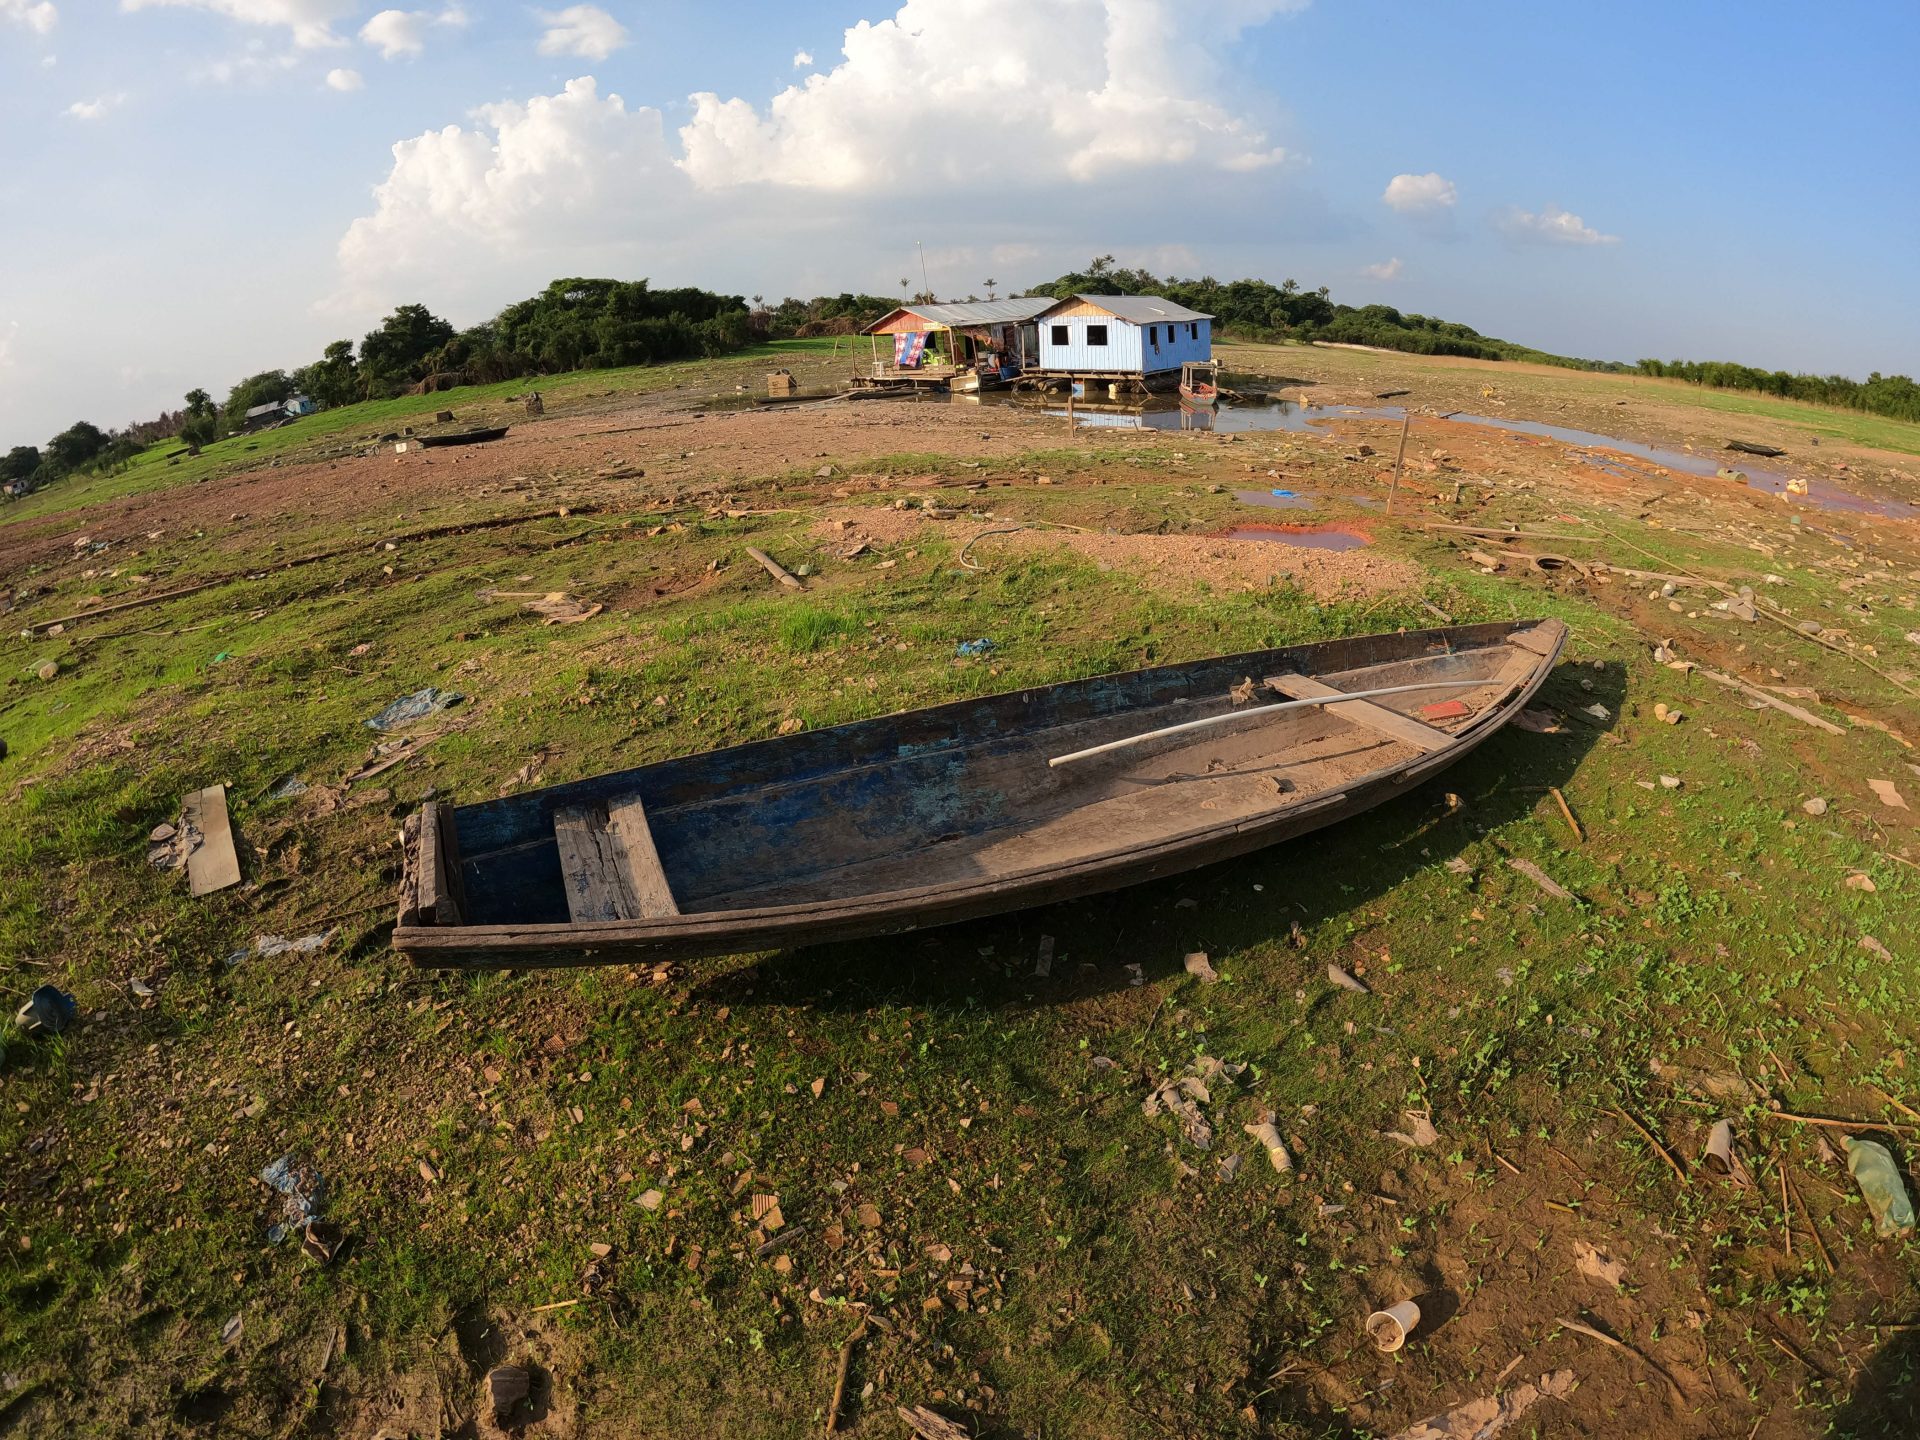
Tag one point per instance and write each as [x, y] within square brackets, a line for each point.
[732, 823]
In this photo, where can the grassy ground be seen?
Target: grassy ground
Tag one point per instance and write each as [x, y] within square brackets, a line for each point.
[942, 1124]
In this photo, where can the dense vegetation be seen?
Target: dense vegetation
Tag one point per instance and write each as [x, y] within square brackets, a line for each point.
[1895, 396]
[573, 324]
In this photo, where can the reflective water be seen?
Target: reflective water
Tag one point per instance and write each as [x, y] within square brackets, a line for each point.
[1290, 415]
[1281, 499]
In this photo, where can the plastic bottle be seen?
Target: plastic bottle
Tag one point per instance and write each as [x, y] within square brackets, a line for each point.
[1872, 1167]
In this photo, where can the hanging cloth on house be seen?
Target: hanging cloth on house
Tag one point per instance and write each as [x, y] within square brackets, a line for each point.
[908, 348]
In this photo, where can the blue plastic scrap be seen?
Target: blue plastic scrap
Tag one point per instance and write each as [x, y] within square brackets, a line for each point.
[417, 706]
[49, 1008]
[973, 647]
[1285, 494]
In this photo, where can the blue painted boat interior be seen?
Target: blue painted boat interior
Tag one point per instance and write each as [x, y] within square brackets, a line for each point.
[775, 812]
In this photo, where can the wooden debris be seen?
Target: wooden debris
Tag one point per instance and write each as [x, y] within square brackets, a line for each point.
[212, 863]
[1806, 717]
[1624, 1349]
[931, 1426]
[1540, 877]
[1659, 1149]
[1579, 835]
[1885, 789]
[774, 568]
[840, 1376]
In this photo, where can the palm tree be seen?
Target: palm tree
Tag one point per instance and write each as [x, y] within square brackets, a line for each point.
[904, 283]
[990, 284]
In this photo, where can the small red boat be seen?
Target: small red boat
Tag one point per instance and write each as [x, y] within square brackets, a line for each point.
[1200, 383]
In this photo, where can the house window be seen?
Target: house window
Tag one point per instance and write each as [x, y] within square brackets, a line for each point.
[1060, 335]
[1096, 334]
[1193, 330]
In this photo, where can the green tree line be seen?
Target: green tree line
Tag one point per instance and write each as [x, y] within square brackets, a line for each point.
[1895, 396]
[574, 324]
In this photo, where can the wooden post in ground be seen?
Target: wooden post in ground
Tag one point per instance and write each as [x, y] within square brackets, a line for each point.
[1406, 419]
[1070, 420]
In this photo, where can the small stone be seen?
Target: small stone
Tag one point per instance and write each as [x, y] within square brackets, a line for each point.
[1815, 806]
[47, 670]
[1671, 782]
[651, 1200]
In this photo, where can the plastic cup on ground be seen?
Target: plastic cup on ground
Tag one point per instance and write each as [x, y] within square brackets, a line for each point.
[1390, 1328]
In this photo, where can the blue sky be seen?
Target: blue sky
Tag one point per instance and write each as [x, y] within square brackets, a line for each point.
[186, 196]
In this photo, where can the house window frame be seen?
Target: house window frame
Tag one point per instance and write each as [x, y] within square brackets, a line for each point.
[1061, 335]
[1097, 337]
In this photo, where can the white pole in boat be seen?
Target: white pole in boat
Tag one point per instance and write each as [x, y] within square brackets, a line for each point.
[1058, 760]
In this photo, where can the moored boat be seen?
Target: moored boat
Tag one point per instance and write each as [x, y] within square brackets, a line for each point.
[1200, 383]
[959, 811]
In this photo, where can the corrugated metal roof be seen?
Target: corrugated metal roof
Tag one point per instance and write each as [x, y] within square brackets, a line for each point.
[1142, 309]
[977, 312]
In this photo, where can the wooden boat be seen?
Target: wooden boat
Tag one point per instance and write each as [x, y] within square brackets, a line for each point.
[1200, 383]
[963, 810]
[465, 437]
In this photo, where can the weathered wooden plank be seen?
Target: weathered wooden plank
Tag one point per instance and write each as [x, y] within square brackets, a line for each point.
[213, 864]
[591, 865]
[439, 866]
[646, 878]
[1543, 639]
[1803, 715]
[1390, 723]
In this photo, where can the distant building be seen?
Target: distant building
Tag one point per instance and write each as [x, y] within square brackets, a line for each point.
[276, 412]
[1142, 338]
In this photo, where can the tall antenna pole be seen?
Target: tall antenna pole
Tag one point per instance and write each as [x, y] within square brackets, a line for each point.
[924, 283]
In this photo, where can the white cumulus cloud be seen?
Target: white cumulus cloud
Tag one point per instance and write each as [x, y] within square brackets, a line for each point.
[580, 182]
[1081, 87]
[39, 18]
[396, 33]
[583, 30]
[802, 59]
[344, 80]
[575, 167]
[310, 21]
[1420, 194]
[1385, 270]
[1550, 225]
[95, 109]
[399, 34]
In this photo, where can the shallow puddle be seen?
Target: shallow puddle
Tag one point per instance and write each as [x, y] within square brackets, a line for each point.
[1317, 537]
[1230, 418]
[1281, 499]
